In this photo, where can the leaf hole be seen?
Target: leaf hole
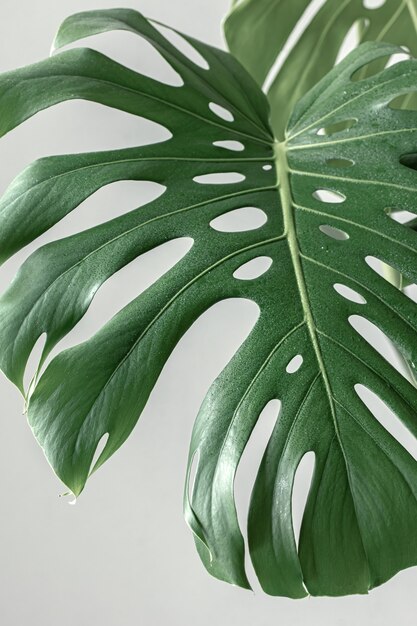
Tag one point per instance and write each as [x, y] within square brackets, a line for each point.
[370, 69]
[79, 126]
[253, 269]
[95, 462]
[135, 53]
[405, 102]
[301, 488]
[239, 220]
[192, 474]
[389, 273]
[32, 363]
[401, 216]
[387, 418]
[337, 127]
[107, 203]
[411, 292]
[376, 338]
[182, 44]
[376, 265]
[399, 57]
[353, 37]
[200, 345]
[334, 233]
[373, 4]
[221, 112]
[198, 350]
[340, 163]
[221, 178]
[329, 196]
[409, 160]
[267, 168]
[234, 146]
[124, 286]
[248, 467]
[349, 294]
[295, 364]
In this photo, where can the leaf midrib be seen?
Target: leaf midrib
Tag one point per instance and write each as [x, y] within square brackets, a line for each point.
[288, 206]
[283, 174]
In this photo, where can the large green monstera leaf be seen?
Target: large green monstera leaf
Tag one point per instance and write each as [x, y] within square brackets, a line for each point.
[328, 191]
[265, 36]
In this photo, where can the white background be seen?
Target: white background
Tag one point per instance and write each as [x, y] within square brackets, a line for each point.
[123, 555]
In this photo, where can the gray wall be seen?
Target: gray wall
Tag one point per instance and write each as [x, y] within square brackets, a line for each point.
[123, 555]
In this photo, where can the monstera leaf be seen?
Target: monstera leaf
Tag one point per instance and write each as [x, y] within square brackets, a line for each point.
[346, 142]
[258, 32]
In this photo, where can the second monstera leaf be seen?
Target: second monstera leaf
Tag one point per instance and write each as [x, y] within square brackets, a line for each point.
[290, 45]
[327, 191]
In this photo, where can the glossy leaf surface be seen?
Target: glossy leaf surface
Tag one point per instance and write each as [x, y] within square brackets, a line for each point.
[344, 140]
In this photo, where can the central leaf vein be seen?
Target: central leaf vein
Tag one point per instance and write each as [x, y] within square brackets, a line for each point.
[283, 172]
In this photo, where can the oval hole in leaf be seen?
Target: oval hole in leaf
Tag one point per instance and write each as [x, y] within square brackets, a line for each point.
[370, 69]
[248, 467]
[221, 112]
[295, 364]
[373, 4]
[405, 102]
[337, 127]
[181, 44]
[411, 292]
[402, 217]
[329, 196]
[220, 178]
[239, 220]
[94, 465]
[349, 294]
[386, 271]
[387, 418]
[253, 268]
[352, 38]
[301, 488]
[33, 362]
[409, 160]
[375, 264]
[192, 473]
[340, 163]
[334, 233]
[267, 168]
[378, 340]
[399, 57]
[235, 146]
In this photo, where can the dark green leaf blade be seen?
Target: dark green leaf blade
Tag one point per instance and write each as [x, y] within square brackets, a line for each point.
[358, 526]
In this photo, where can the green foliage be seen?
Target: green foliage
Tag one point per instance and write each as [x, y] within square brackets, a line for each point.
[344, 137]
[258, 30]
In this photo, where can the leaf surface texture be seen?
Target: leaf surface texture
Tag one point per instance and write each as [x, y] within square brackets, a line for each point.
[344, 140]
